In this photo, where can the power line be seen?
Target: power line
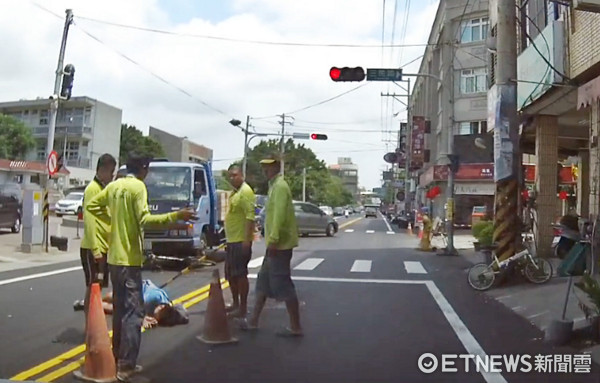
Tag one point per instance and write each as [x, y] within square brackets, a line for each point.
[329, 99]
[244, 41]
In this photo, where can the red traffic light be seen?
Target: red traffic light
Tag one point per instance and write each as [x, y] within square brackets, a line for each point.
[347, 74]
[316, 136]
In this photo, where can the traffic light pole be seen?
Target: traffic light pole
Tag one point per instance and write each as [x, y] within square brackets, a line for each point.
[54, 113]
[245, 160]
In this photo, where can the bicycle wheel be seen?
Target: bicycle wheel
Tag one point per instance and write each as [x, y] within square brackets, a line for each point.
[481, 276]
[539, 271]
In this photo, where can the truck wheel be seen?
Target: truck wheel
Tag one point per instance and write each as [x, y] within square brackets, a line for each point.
[203, 241]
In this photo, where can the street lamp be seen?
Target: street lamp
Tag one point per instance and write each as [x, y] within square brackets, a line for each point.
[237, 124]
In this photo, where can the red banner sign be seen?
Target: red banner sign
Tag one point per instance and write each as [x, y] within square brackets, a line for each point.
[465, 172]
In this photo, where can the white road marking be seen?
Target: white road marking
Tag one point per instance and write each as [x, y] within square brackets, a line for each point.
[504, 297]
[370, 231]
[349, 230]
[462, 332]
[309, 264]
[360, 266]
[387, 224]
[256, 262]
[39, 275]
[414, 268]
[538, 314]
[391, 232]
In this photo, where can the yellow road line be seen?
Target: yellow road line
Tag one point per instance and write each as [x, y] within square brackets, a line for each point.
[349, 223]
[81, 348]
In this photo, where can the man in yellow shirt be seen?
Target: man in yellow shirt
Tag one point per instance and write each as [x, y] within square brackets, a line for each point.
[281, 237]
[127, 201]
[239, 231]
[94, 244]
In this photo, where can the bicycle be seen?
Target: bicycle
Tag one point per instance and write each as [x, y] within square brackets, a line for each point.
[537, 270]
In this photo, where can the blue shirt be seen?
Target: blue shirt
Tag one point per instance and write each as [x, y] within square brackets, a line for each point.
[153, 296]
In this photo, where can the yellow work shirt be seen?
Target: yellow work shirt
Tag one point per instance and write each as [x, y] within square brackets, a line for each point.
[280, 221]
[95, 231]
[127, 200]
[241, 210]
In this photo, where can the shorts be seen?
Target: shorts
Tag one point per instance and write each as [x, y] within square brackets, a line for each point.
[90, 267]
[236, 260]
[275, 277]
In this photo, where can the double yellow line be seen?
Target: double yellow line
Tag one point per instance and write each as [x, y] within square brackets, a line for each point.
[187, 300]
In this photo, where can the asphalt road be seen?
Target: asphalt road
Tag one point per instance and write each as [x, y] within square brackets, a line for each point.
[371, 306]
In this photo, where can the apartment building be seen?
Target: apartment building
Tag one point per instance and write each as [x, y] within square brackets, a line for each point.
[85, 129]
[180, 149]
[448, 110]
[348, 173]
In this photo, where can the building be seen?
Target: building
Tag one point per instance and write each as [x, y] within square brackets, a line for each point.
[85, 129]
[448, 109]
[180, 149]
[348, 173]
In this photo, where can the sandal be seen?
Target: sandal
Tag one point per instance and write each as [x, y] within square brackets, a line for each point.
[287, 332]
[244, 325]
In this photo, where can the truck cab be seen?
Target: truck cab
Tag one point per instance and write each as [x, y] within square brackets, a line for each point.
[175, 185]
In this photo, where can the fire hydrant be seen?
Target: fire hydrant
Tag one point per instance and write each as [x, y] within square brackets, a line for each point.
[425, 244]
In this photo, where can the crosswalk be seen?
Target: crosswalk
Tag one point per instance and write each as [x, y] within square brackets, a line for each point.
[389, 232]
[358, 266]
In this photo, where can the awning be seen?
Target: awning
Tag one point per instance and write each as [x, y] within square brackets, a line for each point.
[588, 93]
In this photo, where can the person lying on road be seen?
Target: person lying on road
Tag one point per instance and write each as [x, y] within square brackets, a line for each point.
[158, 307]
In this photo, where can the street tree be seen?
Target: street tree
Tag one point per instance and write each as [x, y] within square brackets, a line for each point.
[133, 140]
[16, 138]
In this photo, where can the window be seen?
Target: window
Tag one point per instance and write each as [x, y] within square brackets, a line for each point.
[41, 152]
[473, 80]
[199, 182]
[472, 127]
[72, 150]
[474, 30]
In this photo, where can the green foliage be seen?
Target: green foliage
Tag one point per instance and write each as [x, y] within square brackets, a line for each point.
[133, 140]
[222, 181]
[591, 287]
[483, 231]
[321, 186]
[16, 138]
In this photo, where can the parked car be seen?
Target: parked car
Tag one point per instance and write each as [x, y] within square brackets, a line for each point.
[10, 213]
[71, 204]
[337, 211]
[310, 220]
[327, 209]
[370, 211]
[357, 209]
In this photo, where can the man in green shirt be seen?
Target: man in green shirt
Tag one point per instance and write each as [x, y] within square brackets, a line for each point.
[281, 236]
[94, 244]
[127, 201]
[239, 231]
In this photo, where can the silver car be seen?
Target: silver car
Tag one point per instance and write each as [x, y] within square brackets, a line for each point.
[310, 220]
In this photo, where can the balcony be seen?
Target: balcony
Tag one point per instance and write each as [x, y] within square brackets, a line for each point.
[71, 131]
[83, 163]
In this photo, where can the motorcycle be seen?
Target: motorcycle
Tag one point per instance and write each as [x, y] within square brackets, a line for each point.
[566, 235]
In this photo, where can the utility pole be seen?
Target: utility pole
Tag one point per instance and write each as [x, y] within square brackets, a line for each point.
[282, 143]
[54, 111]
[245, 160]
[303, 184]
[506, 133]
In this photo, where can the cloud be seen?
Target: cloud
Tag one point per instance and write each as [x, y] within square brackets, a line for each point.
[238, 79]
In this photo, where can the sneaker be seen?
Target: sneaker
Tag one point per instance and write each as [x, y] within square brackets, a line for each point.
[78, 305]
[126, 375]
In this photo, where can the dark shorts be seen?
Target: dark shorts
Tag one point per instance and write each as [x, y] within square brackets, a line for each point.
[236, 260]
[275, 277]
[90, 267]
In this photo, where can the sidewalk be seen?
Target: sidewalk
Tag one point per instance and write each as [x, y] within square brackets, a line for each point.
[12, 258]
[539, 304]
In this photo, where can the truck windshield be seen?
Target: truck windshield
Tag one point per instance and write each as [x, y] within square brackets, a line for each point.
[169, 183]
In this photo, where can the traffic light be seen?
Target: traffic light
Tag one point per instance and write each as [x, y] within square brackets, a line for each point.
[347, 74]
[316, 136]
[67, 81]
[454, 163]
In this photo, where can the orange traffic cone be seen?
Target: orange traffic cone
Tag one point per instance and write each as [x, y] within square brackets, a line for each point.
[420, 233]
[216, 328]
[409, 229]
[99, 365]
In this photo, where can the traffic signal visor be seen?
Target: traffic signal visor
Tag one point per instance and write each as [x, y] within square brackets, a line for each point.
[347, 74]
[316, 136]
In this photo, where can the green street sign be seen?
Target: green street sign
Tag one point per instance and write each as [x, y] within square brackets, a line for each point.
[376, 74]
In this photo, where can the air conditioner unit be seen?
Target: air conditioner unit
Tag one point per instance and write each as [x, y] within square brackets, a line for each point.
[587, 5]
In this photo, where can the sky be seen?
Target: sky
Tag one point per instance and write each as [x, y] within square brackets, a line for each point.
[192, 82]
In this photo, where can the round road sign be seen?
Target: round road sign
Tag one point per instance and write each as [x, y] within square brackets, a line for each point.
[52, 163]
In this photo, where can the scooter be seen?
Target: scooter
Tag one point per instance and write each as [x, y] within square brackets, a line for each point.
[566, 235]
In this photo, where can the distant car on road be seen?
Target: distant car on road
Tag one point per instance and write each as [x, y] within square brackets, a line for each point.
[71, 204]
[10, 213]
[327, 209]
[310, 220]
[370, 211]
[337, 211]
